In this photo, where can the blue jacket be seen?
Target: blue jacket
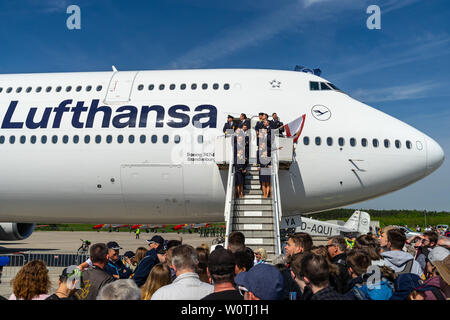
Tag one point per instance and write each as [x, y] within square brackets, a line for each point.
[145, 266]
[118, 268]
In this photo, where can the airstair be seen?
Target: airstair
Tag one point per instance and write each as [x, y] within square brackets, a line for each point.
[258, 218]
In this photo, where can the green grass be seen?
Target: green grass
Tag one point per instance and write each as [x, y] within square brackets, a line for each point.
[386, 217]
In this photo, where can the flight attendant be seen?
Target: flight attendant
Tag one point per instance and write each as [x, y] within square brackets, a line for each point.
[240, 162]
[264, 162]
[276, 124]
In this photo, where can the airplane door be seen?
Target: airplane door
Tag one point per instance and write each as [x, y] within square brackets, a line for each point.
[120, 86]
[153, 190]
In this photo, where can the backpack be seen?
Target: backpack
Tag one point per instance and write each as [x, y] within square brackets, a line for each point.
[432, 289]
[408, 267]
[404, 285]
[382, 290]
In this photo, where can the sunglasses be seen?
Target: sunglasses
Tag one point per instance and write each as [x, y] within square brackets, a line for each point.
[242, 290]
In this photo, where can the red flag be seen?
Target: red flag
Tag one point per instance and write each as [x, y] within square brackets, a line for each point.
[294, 128]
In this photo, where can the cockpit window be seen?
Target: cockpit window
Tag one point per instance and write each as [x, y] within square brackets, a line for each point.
[333, 86]
[313, 86]
[324, 86]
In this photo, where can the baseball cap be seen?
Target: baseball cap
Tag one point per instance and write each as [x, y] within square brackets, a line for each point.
[221, 262]
[129, 254]
[264, 281]
[443, 267]
[156, 239]
[438, 254]
[113, 245]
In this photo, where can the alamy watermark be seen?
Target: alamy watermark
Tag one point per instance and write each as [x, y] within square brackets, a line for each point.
[73, 22]
[374, 20]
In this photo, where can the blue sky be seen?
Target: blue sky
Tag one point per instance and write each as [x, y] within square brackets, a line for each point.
[402, 69]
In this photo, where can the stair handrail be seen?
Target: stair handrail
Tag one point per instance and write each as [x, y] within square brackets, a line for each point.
[276, 197]
[229, 194]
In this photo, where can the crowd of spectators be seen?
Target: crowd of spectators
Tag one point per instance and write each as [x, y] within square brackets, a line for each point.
[373, 267]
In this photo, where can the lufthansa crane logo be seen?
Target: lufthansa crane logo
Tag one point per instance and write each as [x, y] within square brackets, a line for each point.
[321, 113]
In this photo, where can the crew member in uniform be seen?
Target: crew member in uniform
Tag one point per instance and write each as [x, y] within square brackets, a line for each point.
[275, 124]
[243, 119]
[259, 124]
[229, 125]
[240, 162]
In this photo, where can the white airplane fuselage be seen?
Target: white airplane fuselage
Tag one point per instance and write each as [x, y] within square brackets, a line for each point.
[157, 182]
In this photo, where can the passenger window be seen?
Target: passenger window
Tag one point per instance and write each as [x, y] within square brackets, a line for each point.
[19, 89]
[9, 90]
[193, 86]
[23, 139]
[68, 88]
[200, 139]
[65, 139]
[44, 139]
[140, 87]
[154, 138]
[318, 141]
[151, 87]
[2, 139]
[324, 86]
[12, 139]
[204, 86]
[54, 139]
[58, 89]
[172, 87]
[165, 138]
[98, 138]
[161, 87]
[387, 143]
[131, 138]
[28, 90]
[341, 141]
[215, 86]
[364, 142]
[78, 89]
[108, 138]
[352, 142]
[313, 86]
[398, 144]
[408, 144]
[76, 139]
[1, 89]
[183, 86]
[119, 138]
[33, 139]
[306, 141]
[375, 143]
[38, 89]
[330, 141]
[87, 139]
[142, 138]
[48, 89]
[177, 139]
[88, 88]
[99, 88]
[226, 86]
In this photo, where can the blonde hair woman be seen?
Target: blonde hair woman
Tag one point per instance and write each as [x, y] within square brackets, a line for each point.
[159, 276]
[260, 256]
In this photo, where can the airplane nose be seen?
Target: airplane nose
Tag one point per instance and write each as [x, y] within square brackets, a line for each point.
[435, 155]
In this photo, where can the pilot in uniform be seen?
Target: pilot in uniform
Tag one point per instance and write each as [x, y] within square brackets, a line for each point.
[275, 123]
[243, 119]
[229, 125]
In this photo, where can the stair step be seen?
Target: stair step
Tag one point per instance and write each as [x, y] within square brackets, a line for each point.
[252, 182]
[253, 201]
[252, 226]
[257, 191]
[254, 196]
[251, 207]
[257, 233]
[246, 213]
[260, 241]
[251, 177]
[251, 220]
